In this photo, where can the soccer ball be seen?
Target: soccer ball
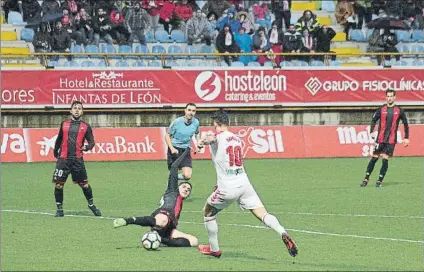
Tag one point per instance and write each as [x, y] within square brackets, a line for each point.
[151, 240]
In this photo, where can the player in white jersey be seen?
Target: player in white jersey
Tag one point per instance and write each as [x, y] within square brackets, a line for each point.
[233, 185]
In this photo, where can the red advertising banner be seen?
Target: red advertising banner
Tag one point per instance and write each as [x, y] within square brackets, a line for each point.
[156, 88]
[126, 144]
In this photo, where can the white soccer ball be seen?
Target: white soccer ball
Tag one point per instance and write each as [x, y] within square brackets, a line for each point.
[151, 240]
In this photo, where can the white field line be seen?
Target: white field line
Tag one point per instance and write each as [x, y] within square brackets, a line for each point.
[236, 225]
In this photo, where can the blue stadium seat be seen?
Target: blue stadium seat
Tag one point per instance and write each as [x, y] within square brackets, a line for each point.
[178, 36]
[328, 6]
[158, 49]
[204, 64]
[418, 35]
[418, 48]
[301, 63]
[285, 64]
[150, 38]
[188, 64]
[162, 36]
[139, 63]
[15, 18]
[122, 63]
[268, 64]
[92, 49]
[403, 36]
[293, 19]
[369, 33]
[171, 63]
[102, 63]
[253, 64]
[77, 49]
[418, 63]
[190, 49]
[174, 49]
[237, 64]
[143, 49]
[126, 49]
[154, 64]
[357, 35]
[207, 49]
[71, 63]
[402, 48]
[87, 63]
[335, 63]
[317, 63]
[52, 63]
[27, 34]
[108, 48]
[400, 63]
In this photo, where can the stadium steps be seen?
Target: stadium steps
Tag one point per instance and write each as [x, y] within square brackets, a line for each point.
[304, 5]
[325, 20]
[22, 65]
[14, 47]
[340, 37]
[9, 36]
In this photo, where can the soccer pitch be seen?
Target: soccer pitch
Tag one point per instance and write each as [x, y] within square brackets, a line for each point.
[336, 224]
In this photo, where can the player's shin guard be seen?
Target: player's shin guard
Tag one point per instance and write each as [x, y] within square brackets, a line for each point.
[88, 193]
[145, 221]
[212, 227]
[370, 167]
[272, 222]
[176, 242]
[58, 195]
[383, 170]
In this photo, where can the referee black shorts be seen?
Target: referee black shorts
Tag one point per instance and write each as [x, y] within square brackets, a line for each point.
[173, 157]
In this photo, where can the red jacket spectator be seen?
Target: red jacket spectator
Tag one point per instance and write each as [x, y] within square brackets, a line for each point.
[113, 17]
[153, 7]
[260, 11]
[184, 11]
[167, 10]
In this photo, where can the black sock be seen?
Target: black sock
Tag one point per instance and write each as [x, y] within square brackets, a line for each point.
[383, 169]
[88, 193]
[176, 242]
[58, 195]
[370, 167]
[145, 221]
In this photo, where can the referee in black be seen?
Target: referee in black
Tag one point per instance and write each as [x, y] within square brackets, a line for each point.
[389, 115]
[68, 151]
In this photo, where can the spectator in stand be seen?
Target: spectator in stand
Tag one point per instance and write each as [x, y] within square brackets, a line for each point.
[388, 41]
[137, 23]
[184, 12]
[225, 43]
[11, 5]
[69, 25]
[378, 5]
[307, 21]
[324, 36]
[119, 32]
[60, 41]
[261, 14]
[118, 6]
[261, 45]
[84, 25]
[87, 6]
[2, 12]
[167, 16]
[42, 41]
[50, 7]
[31, 11]
[217, 6]
[345, 15]
[71, 6]
[193, 4]
[126, 8]
[230, 19]
[245, 22]
[276, 40]
[281, 9]
[412, 14]
[363, 9]
[153, 8]
[213, 30]
[394, 8]
[292, 42]
[244, 42]
[309, 44]
[102, 27]
[236, 4]
[198, 29]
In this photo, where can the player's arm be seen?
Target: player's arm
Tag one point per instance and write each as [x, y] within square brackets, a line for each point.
[90, 139]
[168, 140]
[405, 141]
[58, 143]
[375, 118]
[198, 139]
[208, 139]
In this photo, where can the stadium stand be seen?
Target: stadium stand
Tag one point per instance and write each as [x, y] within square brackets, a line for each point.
[18, 39]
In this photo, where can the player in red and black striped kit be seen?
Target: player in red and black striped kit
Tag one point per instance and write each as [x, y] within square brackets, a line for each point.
[68, 151]
[389, 115]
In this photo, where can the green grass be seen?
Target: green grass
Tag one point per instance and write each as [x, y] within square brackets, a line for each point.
[321, 196]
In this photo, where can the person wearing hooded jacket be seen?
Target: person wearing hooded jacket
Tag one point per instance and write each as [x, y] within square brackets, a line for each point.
[225, 43]
[244, 41]
[198, 30]
[230, 19]
[308, 21]
[261, 45]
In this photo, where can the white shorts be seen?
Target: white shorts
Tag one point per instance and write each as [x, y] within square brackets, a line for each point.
[246, 197]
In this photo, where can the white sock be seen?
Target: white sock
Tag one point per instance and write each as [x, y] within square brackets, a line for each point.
[212, 228]
[180, 177]
[272, 222]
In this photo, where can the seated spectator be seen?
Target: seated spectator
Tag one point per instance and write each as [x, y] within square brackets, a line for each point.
[345, 15]
[292, 42]
[198, 29]
[167, 16]
[236, 4]
[42, 41]
[119, 32]
[213, 29]
[11, 5]
[137, 22]
[225, 43]
[244, 42]
[276, 40]
[230, 19]
[378, 5]
[71, 6]
[60, 40]
[388, 41]
[324, 36]
[119, 6]
[31, 11]
[102, 27]
[193, 4]
[83, 24]
[309, 44]
[261, 14]
[412, 14]
[216, 6]
[183, 12]
[245, 22]
[127, 6]
[87, 6]
[363, 9]
[394, 8]
[261, 45]
[153, 8]
[307, 21]
[281, 9]
[50, 7]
